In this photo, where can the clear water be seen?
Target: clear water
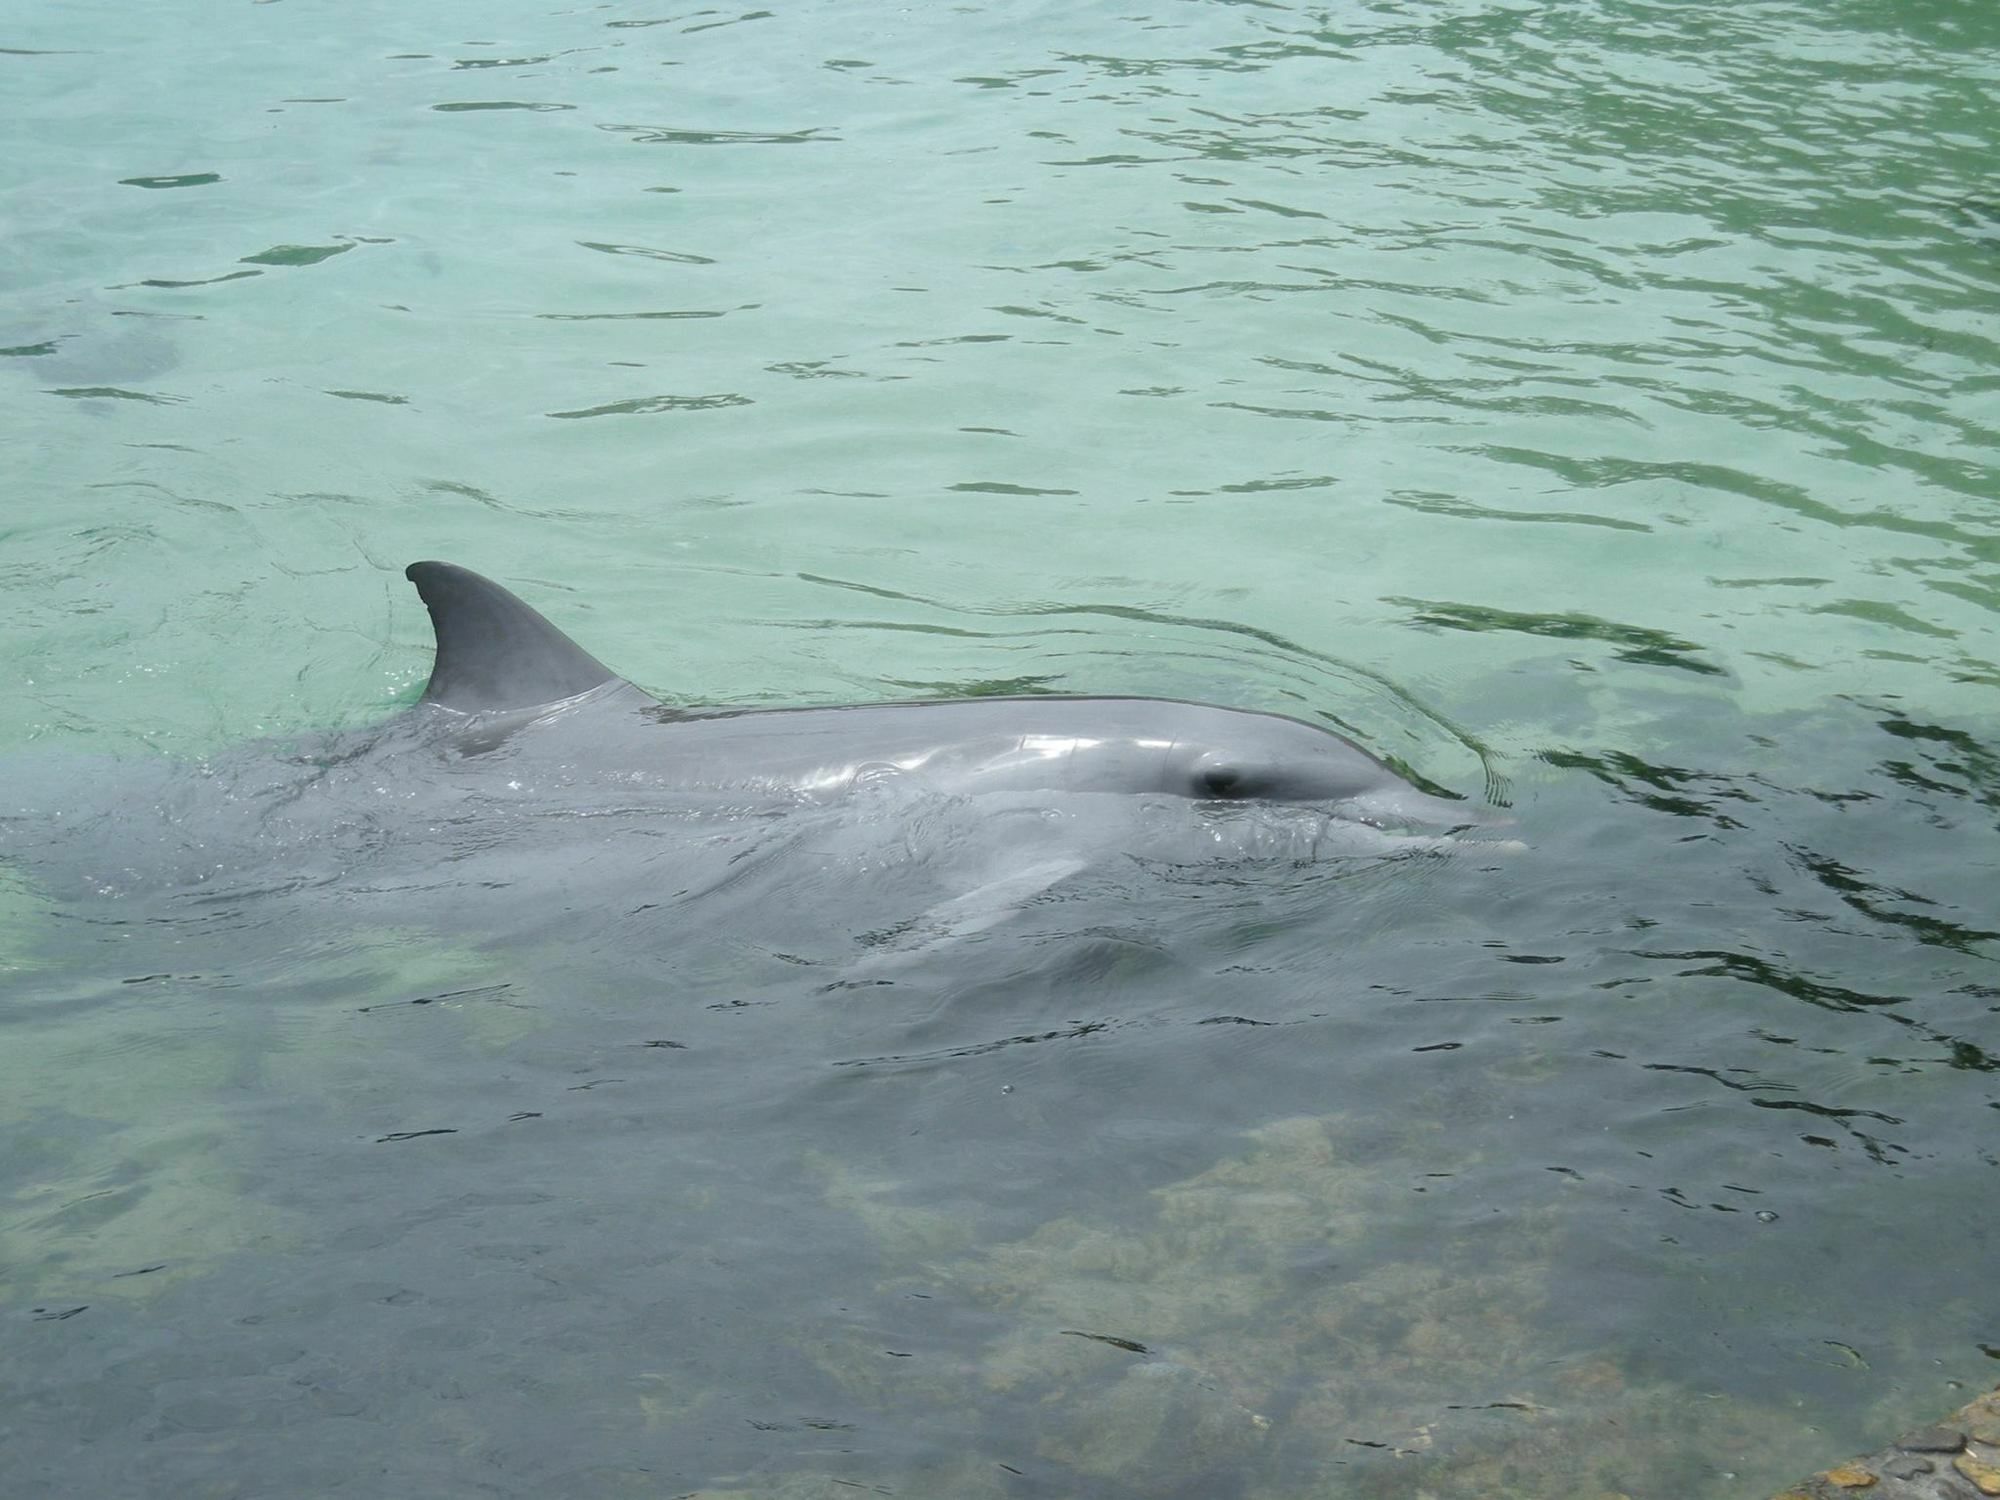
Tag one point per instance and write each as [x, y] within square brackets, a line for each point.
[1592, 406]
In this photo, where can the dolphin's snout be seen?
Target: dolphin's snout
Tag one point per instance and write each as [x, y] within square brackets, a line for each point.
[1406, 806]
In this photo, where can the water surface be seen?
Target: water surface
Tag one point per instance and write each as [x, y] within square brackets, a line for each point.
[1591, 407]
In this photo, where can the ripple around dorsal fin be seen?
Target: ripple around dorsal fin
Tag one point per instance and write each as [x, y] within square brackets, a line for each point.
[493, 651]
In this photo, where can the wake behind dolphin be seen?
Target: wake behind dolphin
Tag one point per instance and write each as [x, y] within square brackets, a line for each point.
[532, 787]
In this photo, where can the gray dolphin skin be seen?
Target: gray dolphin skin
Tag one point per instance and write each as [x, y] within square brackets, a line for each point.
[498, 657]
[533, 792]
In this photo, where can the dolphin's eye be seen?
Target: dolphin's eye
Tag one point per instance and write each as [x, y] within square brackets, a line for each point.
[1222, 781]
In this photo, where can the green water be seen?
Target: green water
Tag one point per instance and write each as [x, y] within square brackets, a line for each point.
[1594, 406]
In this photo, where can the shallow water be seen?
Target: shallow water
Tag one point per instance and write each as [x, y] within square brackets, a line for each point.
[1592, 408]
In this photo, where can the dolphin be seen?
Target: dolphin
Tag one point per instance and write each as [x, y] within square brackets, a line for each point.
[532, 789]
[499, 662]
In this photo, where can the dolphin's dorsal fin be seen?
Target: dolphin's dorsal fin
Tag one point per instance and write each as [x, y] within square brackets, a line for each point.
[494, 652]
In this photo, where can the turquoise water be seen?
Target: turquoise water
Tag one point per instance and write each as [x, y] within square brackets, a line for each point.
[1593, 407]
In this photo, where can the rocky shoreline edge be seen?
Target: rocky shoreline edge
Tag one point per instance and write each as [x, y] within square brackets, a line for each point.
[1954, 1459]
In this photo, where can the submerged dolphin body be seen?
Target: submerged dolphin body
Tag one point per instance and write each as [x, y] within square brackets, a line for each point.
[532, 789]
